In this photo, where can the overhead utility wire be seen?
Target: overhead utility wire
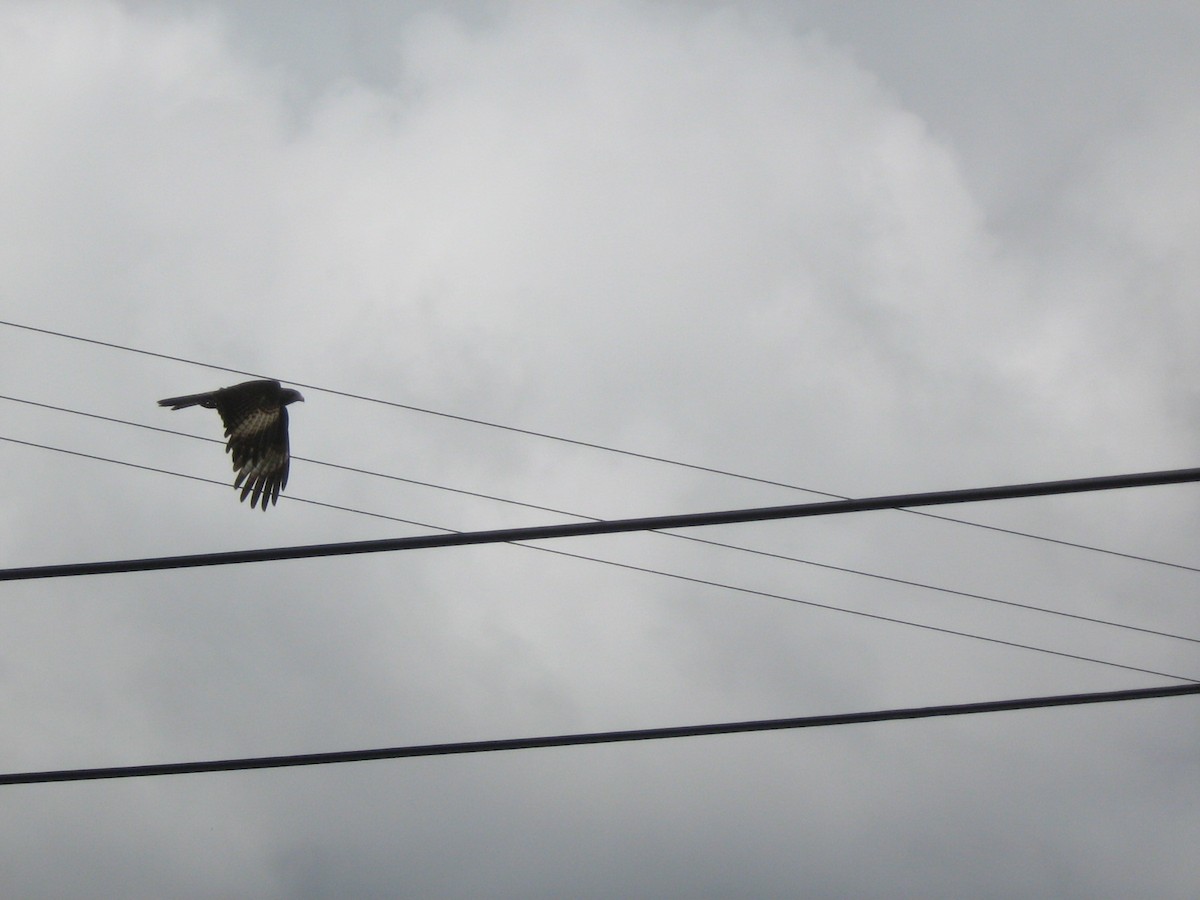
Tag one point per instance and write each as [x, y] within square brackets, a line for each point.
[576, 442]
[878, 617]
[316, 462]
[563, 512]
[224, 484]
[612, 526]
[707, 583]
[599, 737]
[675, 535]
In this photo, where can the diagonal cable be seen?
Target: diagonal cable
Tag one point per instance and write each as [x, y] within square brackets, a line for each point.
[684, 537]
[598, 737]
[176, 562]
[581, 443]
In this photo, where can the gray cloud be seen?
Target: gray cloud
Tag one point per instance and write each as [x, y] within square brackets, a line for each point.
[865, 249]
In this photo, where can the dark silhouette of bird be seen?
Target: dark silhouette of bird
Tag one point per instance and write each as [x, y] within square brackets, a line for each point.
[256, 423]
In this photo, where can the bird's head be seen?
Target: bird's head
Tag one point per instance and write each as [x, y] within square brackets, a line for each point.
[289, 396]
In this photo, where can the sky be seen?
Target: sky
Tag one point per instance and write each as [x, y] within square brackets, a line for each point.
[862, 249]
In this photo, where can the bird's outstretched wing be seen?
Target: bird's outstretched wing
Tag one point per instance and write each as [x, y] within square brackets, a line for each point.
[256, 424]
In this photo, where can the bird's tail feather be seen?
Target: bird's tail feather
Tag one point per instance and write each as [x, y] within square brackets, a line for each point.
[189, 400]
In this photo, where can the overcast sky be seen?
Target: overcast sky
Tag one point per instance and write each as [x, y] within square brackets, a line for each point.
[864, 248]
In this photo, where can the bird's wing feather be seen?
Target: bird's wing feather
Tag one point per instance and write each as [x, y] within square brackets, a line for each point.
[257, 428]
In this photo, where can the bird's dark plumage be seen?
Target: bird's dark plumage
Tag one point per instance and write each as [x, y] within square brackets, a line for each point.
[256, 423]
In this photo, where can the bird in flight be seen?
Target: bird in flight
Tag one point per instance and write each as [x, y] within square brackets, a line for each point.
[256, 423]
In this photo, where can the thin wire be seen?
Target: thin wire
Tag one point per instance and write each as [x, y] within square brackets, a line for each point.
[15, 574]
[599, 737]
[684, 537]
[227, 765]
[224, 484]
[866, 615]
[588, 444]
[315, 462]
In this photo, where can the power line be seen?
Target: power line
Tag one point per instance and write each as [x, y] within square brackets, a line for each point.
[878, 617]
[612, 526]
[684, 537]
[720, 585]
[411, 408]
[225, 484]
[576, 442]
[316, 462]
[9, 574]
[600, 737]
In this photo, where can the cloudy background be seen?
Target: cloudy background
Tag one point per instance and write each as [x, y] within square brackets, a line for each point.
[860, 248]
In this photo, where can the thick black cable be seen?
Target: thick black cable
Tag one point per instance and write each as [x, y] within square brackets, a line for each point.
[683, 537]
[653, 458]
[600, 737]
[714, 584]
[579, 443]
[721, 586]
[612, 526]
[729, 587]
